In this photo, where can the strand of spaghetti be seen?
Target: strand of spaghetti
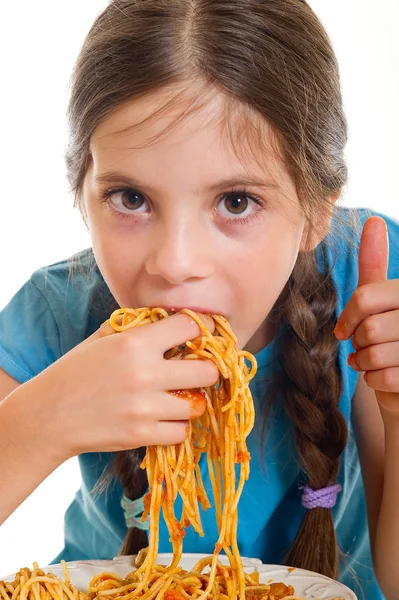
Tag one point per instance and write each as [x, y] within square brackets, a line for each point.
[156, 499]
[214, 427]
[35, 591]
[189, 460]
[3, 592]
[203, 496]
[184, 475]
[237, 557]
[216, 495]
[44, 579]
[179, 464]
[51, 591]
[5, 588]
[16, 592]
[224, 329]
[170, 452]
[248, 356]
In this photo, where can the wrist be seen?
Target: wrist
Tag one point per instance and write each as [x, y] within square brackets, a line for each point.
[391, 424]
[27, 416]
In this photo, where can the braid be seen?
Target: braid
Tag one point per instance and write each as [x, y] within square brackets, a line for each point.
[310, 383]
[135, 483]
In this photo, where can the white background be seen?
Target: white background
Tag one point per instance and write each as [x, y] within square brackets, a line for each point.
[39, 42]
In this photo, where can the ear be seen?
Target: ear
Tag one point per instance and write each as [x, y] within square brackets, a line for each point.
[315, 232]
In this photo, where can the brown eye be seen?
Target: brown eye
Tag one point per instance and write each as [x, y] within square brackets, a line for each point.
[236, 204]
[128, 201]
[132, 200]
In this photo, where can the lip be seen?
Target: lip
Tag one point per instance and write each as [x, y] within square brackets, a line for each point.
[197, 309]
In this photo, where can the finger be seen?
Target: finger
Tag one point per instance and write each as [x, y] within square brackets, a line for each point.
[187, 374]
[373, 251]
[170, 406]
[104, 331]
[375, 358]
[377, 329]
[384, 380]
[367, 300]
[174, 331]
[162, 433]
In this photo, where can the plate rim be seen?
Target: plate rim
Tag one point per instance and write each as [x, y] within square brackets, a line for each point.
[250, 562]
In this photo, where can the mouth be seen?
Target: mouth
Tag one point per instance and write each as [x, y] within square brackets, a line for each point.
[197, 309]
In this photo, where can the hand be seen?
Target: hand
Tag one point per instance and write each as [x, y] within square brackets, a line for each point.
[110, 392]
[372, 318]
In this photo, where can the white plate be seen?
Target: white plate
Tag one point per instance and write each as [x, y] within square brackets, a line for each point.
[307, 584]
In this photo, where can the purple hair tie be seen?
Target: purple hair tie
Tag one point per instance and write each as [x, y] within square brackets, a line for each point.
[322, 498]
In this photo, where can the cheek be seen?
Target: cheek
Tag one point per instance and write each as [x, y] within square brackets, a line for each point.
[259, 278]
[267, 265]
[117, 259]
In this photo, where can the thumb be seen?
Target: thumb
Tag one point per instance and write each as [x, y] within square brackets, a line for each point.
[373, 251]
[103, 331]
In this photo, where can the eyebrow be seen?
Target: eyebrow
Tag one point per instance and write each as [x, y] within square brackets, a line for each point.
[230, 182]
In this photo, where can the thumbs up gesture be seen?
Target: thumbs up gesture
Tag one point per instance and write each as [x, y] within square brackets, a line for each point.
[371, 318]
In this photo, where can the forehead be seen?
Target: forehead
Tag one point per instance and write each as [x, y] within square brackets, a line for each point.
[201, 126]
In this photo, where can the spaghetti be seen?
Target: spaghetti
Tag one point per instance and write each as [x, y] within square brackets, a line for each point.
[37, 585]
[220, 433]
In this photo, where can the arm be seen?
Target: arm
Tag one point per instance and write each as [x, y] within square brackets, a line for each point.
[369, 433]
[371, 319]
[102, 396]
[378, 447]
[25, 458]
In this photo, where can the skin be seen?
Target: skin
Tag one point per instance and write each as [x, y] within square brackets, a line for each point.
[183, 247]
[180, 246]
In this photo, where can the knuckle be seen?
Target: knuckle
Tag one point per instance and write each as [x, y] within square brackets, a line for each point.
[361, 298]
[140, 434]
[211, 372]
[370, 327]
[375, 357]
[389, 378]
[130, 343]
[180, 432]
[140, 410]
[142, 379]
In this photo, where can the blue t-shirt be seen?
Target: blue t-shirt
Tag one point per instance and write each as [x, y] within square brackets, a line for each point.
[58, 308]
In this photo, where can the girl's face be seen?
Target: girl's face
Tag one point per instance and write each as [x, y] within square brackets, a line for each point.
[179, 220]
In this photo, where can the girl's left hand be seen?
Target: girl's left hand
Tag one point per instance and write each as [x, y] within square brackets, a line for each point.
[372, 317]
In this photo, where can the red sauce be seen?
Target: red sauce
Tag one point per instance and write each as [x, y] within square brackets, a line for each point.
[178, 531]
[242, 457]
[147, 501]
[174, 595]
[192, 396]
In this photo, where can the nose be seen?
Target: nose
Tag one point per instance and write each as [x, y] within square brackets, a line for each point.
[180, 253]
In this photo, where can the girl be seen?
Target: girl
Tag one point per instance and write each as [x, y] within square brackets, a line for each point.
[206, 157]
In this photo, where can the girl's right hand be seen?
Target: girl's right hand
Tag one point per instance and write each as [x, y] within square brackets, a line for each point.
[110, 392]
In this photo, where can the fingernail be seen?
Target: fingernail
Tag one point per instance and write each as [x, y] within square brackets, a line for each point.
[353, 362]
[198, 404]
[340, 331]
[208, 322]
[196, 399]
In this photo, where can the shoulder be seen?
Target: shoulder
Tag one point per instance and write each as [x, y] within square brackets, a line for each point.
[76, 294]
[56, 309]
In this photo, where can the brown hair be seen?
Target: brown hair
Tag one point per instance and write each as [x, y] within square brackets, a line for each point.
[275, 58]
